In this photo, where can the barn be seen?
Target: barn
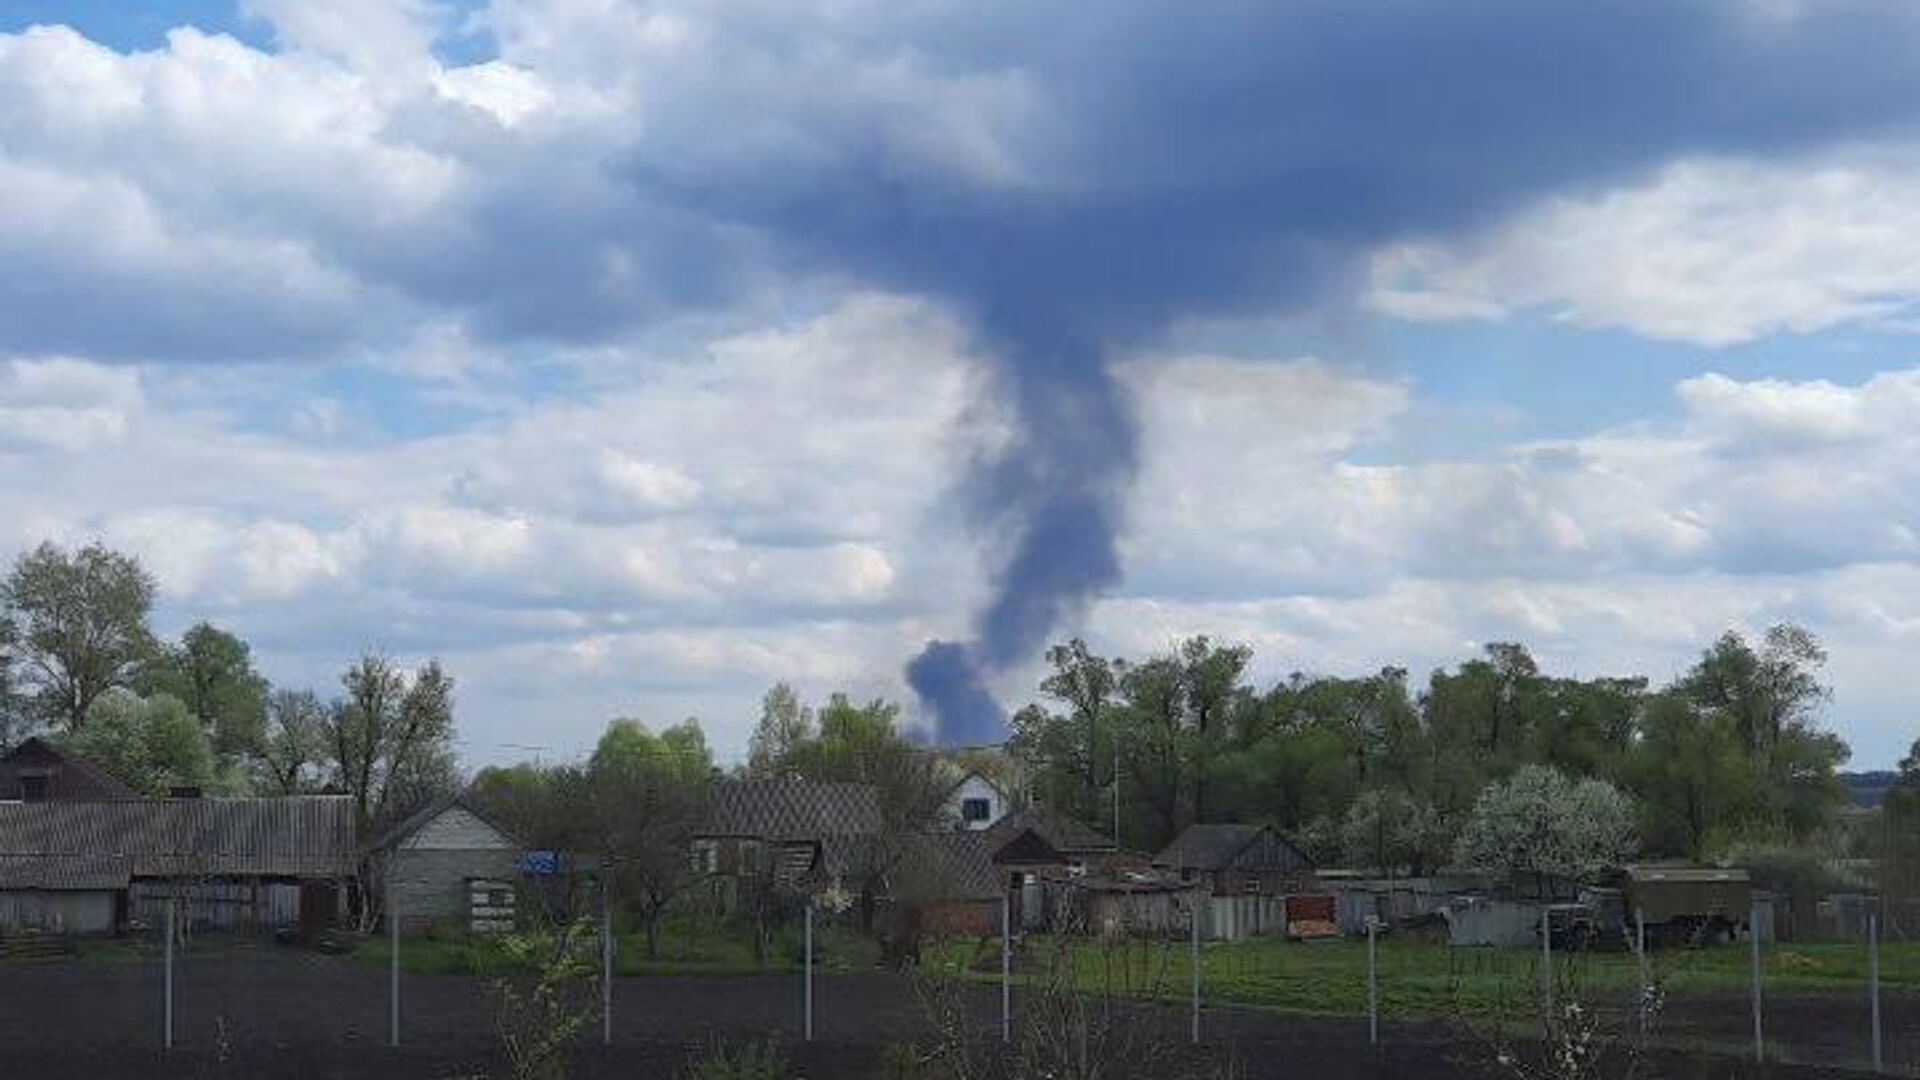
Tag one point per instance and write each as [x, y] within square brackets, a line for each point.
[97, 867]
[1236, 860]
[449, 864]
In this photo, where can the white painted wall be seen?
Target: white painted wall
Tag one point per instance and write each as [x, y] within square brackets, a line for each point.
[976, 786]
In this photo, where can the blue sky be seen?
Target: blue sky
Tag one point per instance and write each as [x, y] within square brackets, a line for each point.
[631, 356]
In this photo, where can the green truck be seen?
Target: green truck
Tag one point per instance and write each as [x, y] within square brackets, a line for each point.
[1682, 905]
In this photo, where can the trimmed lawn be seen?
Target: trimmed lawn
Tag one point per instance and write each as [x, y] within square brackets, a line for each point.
[687, 947]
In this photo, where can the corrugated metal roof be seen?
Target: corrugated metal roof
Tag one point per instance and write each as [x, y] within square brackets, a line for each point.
[64, 872]
[949, 866]
[778, 810]
[296, 836]
[1207, 847]
[1064, 834]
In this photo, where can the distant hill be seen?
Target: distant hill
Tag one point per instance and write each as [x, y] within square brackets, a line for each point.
[1868, 788]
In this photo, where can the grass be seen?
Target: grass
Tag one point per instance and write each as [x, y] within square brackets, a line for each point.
[1419, 980]
[688, 946]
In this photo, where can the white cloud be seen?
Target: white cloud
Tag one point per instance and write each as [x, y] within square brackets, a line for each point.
[1713, 251]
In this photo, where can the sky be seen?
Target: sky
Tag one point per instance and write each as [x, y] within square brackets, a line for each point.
[630, 357]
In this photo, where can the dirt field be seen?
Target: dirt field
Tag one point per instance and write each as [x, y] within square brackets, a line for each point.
[277, 1013]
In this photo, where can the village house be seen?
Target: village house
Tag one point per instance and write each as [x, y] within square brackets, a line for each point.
[789, 832]
[976, 803]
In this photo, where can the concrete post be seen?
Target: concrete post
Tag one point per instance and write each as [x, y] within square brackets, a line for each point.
[1753, 936]
[1873, 983]
[166, 1031]
[1546, 970]
[1373, 986]
[1640, 951]
[1006, 967]
[393, 965]
[808, 994]
[606, 963]
[1193, 959]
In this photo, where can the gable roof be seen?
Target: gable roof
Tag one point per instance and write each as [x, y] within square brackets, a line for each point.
[780, 810]
[1064, 834]
[75, 777]
[418, 820]
[1213, 847]
[949, 865]
[104, 844]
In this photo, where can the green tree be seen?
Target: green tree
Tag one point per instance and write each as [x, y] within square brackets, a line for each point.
[785, 725]
[1900, 836]
[153, 745]
[645, 795]
[390, 739]
[1388, 830]
[294, 745]
[1769, 699]
[212, 672]
[81, 625]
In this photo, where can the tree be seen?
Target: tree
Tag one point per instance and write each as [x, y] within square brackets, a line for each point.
[1387, 830]
[861, 744]
[1086, 684]
[1540, 822]
[1769, 700]
[81, 625]
[1900, 846]
[1210, 684]
[785, 724]
[152, 745]
[646, 795]
[211, 671]
[390, 740]
[294, 744]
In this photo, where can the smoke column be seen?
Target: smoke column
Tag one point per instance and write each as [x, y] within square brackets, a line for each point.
[1056, 491]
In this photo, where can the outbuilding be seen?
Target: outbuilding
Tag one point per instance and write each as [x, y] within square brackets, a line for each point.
[448, 864]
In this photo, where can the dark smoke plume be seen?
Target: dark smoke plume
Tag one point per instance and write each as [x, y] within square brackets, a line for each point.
[1198, 162]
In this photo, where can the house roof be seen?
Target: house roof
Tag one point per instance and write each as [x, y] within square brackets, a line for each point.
[77, 779]
[952, 865]
[103, 844]
[782, 810]
[418, 820]
[1209, 847]
[1064, 834]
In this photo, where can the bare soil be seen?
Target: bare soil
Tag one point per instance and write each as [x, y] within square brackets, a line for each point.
[285, 1013]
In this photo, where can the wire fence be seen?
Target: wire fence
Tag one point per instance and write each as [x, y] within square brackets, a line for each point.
[995, 984]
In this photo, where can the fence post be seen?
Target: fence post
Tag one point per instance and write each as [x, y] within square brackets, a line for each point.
[1753, 935]
[1640, 950]
[1546, 970]
[809, 977]
[1373, 991]
[1193, 959]
[1873, 981]
[606, 963]
[166, 1037]
[393, 965]
[1006, 967]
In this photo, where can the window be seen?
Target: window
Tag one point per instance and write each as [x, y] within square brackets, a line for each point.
[975, 809]
[33, 788]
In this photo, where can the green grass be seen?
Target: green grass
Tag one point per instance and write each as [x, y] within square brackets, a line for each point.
[688, 946]
[1423, 980]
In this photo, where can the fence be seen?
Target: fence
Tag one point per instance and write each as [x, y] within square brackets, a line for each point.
[814, 980]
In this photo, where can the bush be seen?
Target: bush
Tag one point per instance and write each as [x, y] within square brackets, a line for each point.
[748, 1061]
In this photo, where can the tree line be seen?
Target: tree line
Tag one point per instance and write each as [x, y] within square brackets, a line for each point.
[81, 665]
[1376, 772]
